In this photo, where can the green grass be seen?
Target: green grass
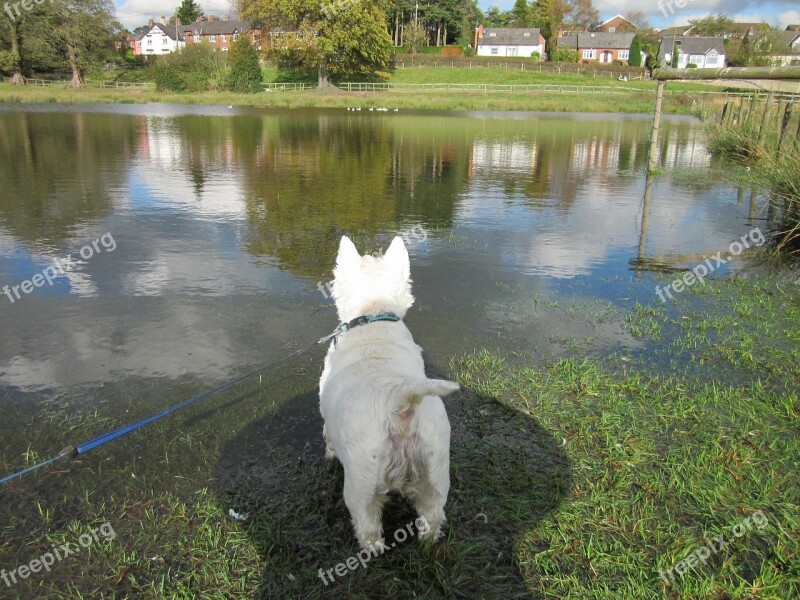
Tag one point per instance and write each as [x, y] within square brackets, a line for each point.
[573, 478]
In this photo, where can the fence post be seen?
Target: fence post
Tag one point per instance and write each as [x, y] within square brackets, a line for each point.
[787, 116]
[764, 117]
[651, 166]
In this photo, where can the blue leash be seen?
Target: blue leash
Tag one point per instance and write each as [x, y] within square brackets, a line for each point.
[71, 452]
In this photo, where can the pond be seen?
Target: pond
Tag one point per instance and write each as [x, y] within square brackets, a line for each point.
[151, 252]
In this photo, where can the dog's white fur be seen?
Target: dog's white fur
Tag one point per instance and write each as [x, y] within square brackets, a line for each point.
[384, 419]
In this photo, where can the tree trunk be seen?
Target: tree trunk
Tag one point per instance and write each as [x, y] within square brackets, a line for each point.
[77, 76]
[16, 75]
[438, 34]
[322, 78]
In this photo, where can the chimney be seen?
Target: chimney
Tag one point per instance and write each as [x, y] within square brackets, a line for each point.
[178, 21]
[478, 35]
[150, 22]
[163, 20]
[213, 18]
[201, 18]
[226, 17]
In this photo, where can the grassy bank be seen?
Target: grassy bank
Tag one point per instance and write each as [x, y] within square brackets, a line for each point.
[773, 169]
[634, 96]
[583, 477]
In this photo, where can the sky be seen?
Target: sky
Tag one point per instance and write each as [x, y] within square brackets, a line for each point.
[774, 12]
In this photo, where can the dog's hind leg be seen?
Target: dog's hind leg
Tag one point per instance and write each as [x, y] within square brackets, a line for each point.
[329, 452]
[431, 496]
[365, 505]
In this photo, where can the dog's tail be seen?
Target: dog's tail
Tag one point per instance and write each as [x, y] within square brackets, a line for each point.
[413, 392]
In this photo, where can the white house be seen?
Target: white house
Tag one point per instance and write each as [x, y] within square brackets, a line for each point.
[704, 52]
[161, 39]
[509, 41]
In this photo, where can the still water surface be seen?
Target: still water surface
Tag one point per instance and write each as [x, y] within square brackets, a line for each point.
[524, 228]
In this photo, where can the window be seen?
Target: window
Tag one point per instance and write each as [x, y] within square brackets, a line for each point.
[164, 41]
[612, 30]
[492, 34]
[526, 34]
[624, 54]
[697, 59]
[712, 59]
[196, 38]
[235, 36]
[224, 38]
[212, 38]
[590, 54]
[149, 40]
[224, 49]
[495, 50]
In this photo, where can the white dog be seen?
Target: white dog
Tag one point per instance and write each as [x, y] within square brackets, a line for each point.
[384, 419]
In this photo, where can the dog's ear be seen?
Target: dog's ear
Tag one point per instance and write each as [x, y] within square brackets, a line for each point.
[396, 258]
[348, 257]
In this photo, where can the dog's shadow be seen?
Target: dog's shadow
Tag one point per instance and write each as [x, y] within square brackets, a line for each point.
[507, 473]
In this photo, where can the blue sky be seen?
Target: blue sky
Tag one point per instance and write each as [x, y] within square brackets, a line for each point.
[775, 12]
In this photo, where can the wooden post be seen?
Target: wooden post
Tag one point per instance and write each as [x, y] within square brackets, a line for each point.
[738, 118]
[787, 116]
[724, 113]
[752, 110]
[651, 166]
[764, 117]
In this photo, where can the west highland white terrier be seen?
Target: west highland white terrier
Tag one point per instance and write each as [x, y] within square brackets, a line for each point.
[384, 419]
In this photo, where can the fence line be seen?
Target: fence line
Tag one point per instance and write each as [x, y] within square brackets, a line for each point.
[89, 82]
[289, 87]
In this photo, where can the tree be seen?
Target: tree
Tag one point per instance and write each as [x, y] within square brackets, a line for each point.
[582, 13]
[415, 36]
[351, 40]
[521, 14]
[188, 11]
[639, 20]
[635, 56]
[245, 75]
[712, 26]
[82, 31]
[548, 15]
[495, 17]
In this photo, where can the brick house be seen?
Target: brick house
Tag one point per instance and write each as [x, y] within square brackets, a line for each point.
[599, 47]
[219, 33]
[618, 24]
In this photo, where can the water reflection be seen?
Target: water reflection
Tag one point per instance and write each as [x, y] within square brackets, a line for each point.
[226, 222]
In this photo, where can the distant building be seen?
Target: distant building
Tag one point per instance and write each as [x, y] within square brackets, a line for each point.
[599, 47]
[219, 33]
[704, 52]
[509, 41]
[617, 24]
[793, 27]
[159, 39]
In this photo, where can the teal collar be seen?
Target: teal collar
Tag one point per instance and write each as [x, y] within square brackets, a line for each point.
[358, 321]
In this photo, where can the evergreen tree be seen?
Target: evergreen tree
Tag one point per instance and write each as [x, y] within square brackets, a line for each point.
[635, 58]
[521, 14]
[188, 11]
[245, 75]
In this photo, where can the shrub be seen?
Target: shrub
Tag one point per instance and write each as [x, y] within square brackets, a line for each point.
[566, 55]
[245, 72]
[535, 56]
[190, 70]
[691, 66]
[635, 54]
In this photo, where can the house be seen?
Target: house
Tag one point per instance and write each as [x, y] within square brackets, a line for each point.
[793, 27]
[509, 41]
[160, 39]
[219, 33]
[599, 47]
[618, 24]
[679, 30]
[785, 53]
[704, 52]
